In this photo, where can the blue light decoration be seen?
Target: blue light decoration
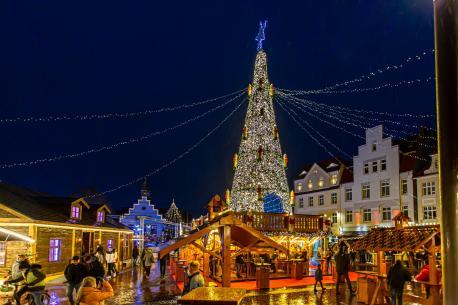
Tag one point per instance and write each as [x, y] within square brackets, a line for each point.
[261, 35]
[273, 203]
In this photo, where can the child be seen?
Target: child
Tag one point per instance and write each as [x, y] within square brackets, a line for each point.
[319, 277]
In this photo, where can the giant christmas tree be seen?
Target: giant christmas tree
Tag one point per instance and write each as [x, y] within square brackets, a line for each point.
[260, 180]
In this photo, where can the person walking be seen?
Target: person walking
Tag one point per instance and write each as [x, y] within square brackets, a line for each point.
[319, 278]
[89, 294]
[100, 254]
[148, 261]
[163, 264]
[33, 282]
[135, 255]
[397, 276]
[74, 273]
[112, 258]
[95, 268]
[342, 260]
[195, 279]
[329, 261]
[239, 264]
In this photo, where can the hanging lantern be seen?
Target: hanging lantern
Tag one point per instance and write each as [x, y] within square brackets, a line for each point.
[275, 132]
[291, 197]
[271, 90]
[249, 89]
[235, 161]
[259, 192]
[245, 133]
[285, 161]
[228, 196]
[260, 151]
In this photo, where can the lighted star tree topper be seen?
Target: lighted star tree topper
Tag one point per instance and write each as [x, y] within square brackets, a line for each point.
[260, 180]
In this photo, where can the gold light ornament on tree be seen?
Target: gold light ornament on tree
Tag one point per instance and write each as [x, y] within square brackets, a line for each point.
[275, 132]
[245, 133]
[285, 161]
[249, 89]
[235, 160]
[291, 197]
[271, 90]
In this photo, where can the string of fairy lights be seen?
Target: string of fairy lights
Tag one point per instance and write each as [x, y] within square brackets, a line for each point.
[358, 90]
[113, 115]
[175, 159]
[118, 144]
[372, 74]
[338, 118]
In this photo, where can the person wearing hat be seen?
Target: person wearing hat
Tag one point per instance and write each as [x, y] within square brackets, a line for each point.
[75, 272]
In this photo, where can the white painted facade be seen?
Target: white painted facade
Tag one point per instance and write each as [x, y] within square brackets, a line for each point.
[428, 194]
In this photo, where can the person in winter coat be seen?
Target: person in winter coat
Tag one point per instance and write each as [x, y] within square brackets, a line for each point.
[33, 280]
[397, 276]
[100, 254]
[15, 272]
[112, 258]
[135, 255]
[319, 278]
[148, 261]
[423, 276]
[195, 279]
[75, 272]
[163, 264]
[342, 260]
[89, 294]
[95, 268]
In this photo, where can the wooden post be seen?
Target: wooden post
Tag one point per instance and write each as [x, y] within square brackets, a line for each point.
[73, 242]
[226, 248]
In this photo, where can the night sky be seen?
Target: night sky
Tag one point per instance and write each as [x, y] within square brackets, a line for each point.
[61, 57]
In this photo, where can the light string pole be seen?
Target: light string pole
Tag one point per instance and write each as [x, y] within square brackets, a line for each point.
[446, 44]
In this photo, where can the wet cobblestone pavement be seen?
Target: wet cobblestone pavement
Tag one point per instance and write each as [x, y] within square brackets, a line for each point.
[131, 287]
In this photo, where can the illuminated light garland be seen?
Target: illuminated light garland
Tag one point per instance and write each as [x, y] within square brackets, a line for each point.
[357, 90]
[359, 126]
[337, 115]
[308, 132]
[115, 145]
[370, 75]
[349, 112]
[369, 112]
[85, 117]
[317, 132]
[174, 160]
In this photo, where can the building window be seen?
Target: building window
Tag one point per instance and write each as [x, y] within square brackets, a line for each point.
[429, 212]
[54, 250]
[366, 168]
[374, 166]
[310, 184]
[383, 165]
[404, 186]
[321, 200]
[310, 201]
[365, 191]
[334, 198]
[321, 182]
[429, 188]
[125, 246]
[348, 216]
[2, 253]
[436, 164]
[334, 217]
[334, 179]
[301, 202]
[100, 216]
[386, 214]
[76, 212]
[348, 195]
[374, 146]
[299, 187]
[367, 215]
[385, 188]
[110, 244]
[405, 210]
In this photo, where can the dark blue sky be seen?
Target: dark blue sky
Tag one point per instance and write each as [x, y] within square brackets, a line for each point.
[61, 57]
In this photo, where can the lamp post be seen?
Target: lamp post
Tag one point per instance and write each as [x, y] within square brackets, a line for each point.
[446, 45]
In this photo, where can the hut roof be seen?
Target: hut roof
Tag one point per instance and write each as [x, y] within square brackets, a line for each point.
[392, 239]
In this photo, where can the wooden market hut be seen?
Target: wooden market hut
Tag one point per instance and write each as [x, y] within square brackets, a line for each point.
[402, 238]
[233, 231]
